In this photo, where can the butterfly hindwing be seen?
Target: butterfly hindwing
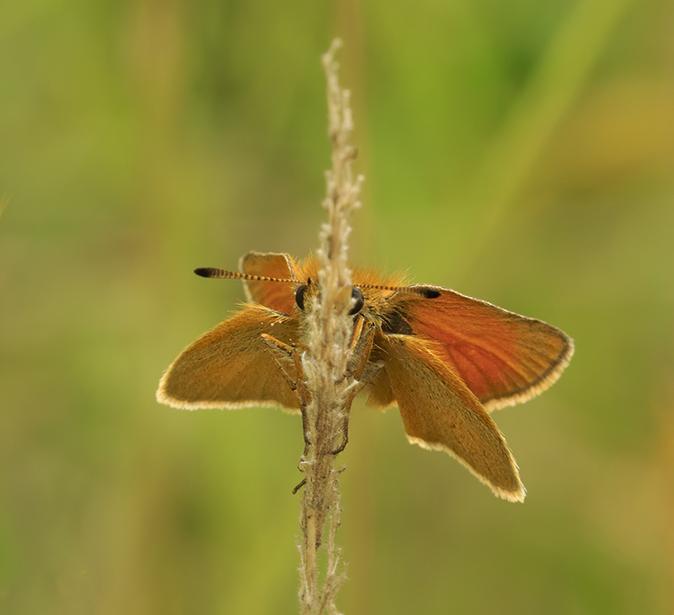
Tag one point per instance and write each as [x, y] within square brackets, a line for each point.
[440, 412]
[230, 366]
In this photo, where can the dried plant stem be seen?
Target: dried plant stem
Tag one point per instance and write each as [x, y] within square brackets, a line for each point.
[330, 378]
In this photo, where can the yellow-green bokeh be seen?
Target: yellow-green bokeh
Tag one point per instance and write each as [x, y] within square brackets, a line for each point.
[520, 152]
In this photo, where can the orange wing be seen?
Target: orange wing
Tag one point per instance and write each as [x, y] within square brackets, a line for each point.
[503, 358]
[230, 367]
[279, 296]
[440, 412]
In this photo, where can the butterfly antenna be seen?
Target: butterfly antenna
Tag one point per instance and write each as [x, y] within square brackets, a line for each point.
[223, 274]
[420, 291]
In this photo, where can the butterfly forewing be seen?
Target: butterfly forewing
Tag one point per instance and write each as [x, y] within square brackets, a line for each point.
[503, 358]
[279, 296]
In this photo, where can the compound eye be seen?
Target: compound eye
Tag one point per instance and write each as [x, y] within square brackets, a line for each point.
[299, 296]
[357, 296]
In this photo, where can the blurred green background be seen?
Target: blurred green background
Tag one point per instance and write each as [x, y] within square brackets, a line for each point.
[520, 152]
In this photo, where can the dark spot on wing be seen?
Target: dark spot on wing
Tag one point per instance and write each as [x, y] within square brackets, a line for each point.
[429, 293]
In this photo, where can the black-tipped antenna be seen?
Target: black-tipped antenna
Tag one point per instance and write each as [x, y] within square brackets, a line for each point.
[422, 291]
[210, 272]
[223, 274]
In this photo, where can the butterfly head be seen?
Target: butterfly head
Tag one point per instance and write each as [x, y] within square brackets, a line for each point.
[305, 292]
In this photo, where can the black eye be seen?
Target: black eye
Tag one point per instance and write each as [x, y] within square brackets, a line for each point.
[299, 296]
[357, 296]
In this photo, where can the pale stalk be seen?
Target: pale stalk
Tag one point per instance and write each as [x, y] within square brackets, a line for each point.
[328, 386]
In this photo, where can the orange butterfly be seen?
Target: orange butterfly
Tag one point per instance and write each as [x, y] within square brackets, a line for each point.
[447, 359]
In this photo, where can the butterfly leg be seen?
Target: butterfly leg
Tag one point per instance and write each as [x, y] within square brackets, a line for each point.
[359, 370]
[287, 359]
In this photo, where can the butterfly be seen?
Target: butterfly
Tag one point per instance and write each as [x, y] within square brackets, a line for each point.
[445, 359]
